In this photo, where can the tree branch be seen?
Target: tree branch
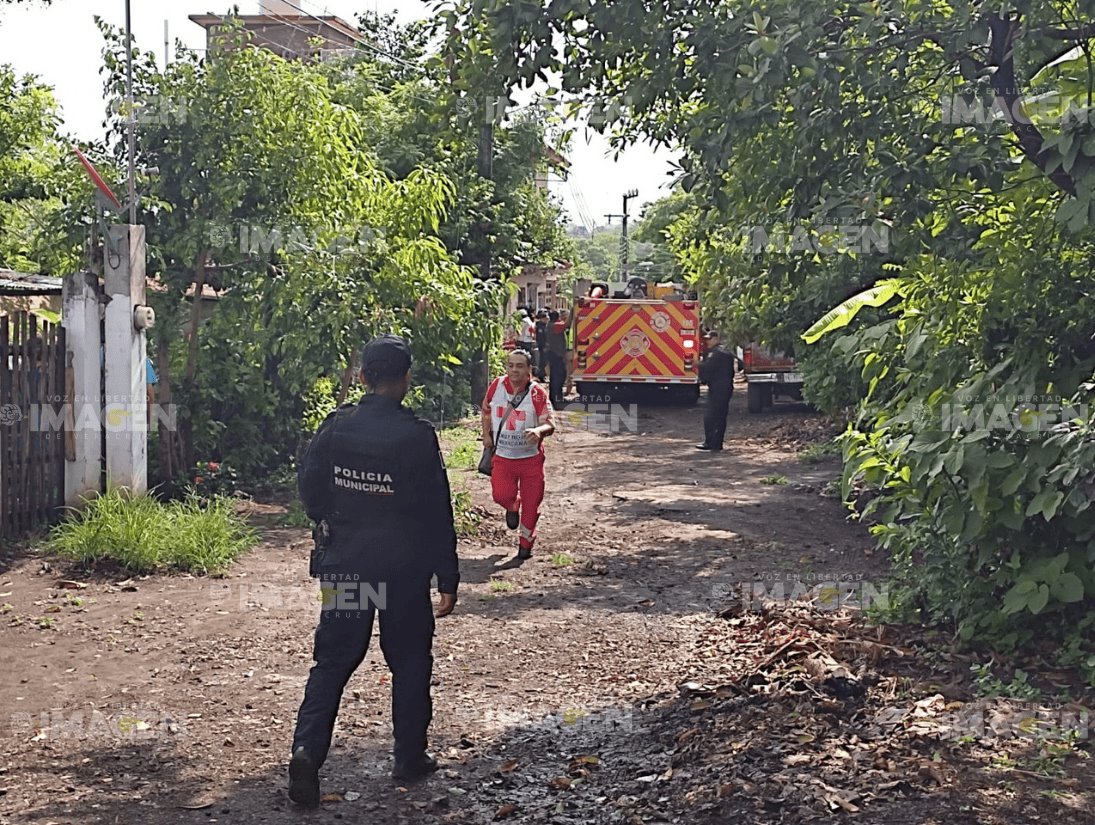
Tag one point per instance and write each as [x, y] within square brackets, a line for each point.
[1001, 54]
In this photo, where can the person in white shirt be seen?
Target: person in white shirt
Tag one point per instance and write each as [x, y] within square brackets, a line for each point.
[516, 417]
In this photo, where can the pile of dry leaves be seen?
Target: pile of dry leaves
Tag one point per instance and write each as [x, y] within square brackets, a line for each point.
[802, 716]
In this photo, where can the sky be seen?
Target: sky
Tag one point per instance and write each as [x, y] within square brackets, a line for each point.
[70, 61]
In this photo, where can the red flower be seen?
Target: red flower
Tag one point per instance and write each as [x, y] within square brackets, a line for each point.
[214, 466]
[198, 479]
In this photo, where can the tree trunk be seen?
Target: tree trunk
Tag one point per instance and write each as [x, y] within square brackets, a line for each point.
[186, 426]
[347, 380]
[1005, 33]
[169, 447]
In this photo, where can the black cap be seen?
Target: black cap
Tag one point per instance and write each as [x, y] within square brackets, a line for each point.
[386, 356]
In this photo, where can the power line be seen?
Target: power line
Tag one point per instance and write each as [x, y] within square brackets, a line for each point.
[362, 37]
[310, 34]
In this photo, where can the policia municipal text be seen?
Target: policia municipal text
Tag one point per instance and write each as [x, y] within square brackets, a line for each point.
[374, 481]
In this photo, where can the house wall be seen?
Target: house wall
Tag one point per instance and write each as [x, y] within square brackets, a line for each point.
[26, 303]
[288, 40]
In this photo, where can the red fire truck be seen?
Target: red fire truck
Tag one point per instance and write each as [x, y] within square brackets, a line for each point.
[626, 343]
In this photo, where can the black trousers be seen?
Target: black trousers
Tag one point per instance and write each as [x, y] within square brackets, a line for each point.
[714, 415]
[342, 639]
[557, 379]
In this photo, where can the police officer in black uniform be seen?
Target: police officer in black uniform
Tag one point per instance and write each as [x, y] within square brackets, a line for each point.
[717, 372]
[374, 481]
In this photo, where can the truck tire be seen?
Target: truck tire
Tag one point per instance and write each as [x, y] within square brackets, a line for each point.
[755, 397]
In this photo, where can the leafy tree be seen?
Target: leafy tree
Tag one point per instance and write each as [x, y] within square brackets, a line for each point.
[419, 111]
[36, 177]
[598, 258]
[947, 146]
[264, 194]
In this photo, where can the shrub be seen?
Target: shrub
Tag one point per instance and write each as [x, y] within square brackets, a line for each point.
[143, 535]
[214, 478]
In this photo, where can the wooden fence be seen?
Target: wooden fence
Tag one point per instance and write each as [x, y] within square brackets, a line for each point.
[33, 414]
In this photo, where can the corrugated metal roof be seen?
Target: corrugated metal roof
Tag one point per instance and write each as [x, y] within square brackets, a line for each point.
[23, 283]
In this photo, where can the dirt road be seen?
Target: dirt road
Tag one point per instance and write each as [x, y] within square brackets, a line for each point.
[557, 683]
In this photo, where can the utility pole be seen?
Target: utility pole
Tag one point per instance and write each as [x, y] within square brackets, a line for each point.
[131, 117]
[633, 193]
[492, 113]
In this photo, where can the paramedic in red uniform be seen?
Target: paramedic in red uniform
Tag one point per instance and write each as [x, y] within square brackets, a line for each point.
[517, 474]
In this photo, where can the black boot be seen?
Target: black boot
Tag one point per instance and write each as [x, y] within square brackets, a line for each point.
[303, 779]
[414, 769]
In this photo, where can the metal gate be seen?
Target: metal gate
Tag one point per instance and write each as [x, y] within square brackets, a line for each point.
[33, 408]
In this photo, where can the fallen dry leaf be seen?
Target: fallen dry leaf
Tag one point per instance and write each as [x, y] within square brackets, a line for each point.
[508, 766]
[509, 809]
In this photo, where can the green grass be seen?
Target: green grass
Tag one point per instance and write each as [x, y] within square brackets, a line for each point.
[466, 516]
[142, 535]
[462, 446]
[499, 586]
[818, 452]
[774, 480]
[562, 560]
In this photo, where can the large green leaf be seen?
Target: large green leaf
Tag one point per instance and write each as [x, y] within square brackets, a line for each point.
[842, 314]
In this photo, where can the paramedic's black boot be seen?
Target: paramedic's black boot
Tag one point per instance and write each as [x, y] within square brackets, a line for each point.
[414, 769]
[303, 779]
[524, 552]
[513, 519]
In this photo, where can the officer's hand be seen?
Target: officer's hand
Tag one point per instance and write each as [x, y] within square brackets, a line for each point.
[488, 441]
[532, 436]
[445, 605]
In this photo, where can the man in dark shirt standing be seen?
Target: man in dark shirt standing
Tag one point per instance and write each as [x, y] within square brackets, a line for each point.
[374, 481]
[542, 324]
[717, 372]
[556, 357]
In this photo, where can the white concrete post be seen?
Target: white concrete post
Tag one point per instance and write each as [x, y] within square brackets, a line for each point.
[83, 448]
[125, 415]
